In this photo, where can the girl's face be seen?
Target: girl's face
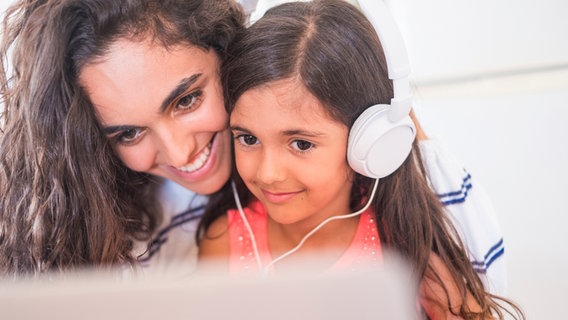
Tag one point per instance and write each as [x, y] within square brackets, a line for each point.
[291, 154]
[163, 110]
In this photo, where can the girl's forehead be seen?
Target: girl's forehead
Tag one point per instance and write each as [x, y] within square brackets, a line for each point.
[284, 103]
[287, 96]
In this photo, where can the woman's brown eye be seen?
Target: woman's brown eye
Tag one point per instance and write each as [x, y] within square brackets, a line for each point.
[188, 101]
[129, 136]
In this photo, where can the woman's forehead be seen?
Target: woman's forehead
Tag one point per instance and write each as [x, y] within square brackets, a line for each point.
[139, 75]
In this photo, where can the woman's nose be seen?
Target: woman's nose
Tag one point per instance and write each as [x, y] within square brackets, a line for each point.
[174, 147]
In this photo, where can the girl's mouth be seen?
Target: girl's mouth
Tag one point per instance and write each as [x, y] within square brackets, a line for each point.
[279, 197]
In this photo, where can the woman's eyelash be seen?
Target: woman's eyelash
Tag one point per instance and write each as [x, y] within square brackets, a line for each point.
[187, 101]
[126, 137]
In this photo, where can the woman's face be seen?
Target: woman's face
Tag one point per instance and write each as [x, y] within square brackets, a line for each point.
[163, 111]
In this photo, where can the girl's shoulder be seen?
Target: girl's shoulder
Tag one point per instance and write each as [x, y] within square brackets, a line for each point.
[215, 241]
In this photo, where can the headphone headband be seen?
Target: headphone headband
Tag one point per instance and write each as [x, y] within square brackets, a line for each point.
[395, 54]
[381, 137]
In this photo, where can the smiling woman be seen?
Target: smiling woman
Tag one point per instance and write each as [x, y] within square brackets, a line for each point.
[107, 104]
[163, 112]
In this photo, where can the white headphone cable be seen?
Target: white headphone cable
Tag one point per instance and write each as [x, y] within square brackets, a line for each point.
[319, 226]
[304, 239]
[247, 225]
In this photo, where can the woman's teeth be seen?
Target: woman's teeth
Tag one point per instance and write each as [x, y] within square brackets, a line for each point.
[198, 162]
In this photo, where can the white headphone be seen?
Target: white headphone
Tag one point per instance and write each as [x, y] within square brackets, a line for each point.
[381, 137]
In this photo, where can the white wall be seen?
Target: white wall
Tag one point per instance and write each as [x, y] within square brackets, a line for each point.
[515, 145]
[452, 39]
[4, 5]
[492, 81]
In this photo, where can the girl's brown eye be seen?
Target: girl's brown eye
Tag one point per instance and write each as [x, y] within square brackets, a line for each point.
[247, 139]
[303, 145]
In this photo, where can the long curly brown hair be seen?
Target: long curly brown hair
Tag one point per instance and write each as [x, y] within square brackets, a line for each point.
[66, 200]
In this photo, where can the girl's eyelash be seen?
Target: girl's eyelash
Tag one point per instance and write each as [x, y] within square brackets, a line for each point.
[239, 139]
[310, 149]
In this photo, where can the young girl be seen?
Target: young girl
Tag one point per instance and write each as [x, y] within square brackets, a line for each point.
[328, 164]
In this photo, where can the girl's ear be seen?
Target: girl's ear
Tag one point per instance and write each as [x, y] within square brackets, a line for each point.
[420, 133]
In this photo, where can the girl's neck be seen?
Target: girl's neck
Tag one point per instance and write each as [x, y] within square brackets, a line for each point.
[335, 236]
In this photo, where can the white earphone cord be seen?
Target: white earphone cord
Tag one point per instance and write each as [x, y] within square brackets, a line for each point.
[305, 238]
[247, 225]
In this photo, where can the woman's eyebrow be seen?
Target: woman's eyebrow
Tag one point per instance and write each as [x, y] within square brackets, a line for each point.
[178, 90]
[114, 129]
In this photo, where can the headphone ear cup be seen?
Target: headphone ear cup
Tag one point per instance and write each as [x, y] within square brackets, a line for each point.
[377, 146]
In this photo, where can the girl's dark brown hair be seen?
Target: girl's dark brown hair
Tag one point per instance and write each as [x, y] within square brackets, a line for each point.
[66, 200]
[334, 51]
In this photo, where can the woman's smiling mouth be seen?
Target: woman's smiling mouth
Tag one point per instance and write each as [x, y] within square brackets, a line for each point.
[198, 161]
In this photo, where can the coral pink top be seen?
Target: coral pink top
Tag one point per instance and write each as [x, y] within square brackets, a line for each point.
[364, 250]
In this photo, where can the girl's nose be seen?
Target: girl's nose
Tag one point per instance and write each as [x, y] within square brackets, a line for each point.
[271, 168]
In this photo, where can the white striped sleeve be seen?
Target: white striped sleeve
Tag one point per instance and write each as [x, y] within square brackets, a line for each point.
[471, 211]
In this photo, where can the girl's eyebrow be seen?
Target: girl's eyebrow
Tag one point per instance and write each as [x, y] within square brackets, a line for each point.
[291, 132]
[238, 128]
[301, 132]
[178, 90]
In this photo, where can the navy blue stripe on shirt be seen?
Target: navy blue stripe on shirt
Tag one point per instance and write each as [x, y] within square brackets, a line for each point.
[494, 252]
[162, 236]
[457, 196]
